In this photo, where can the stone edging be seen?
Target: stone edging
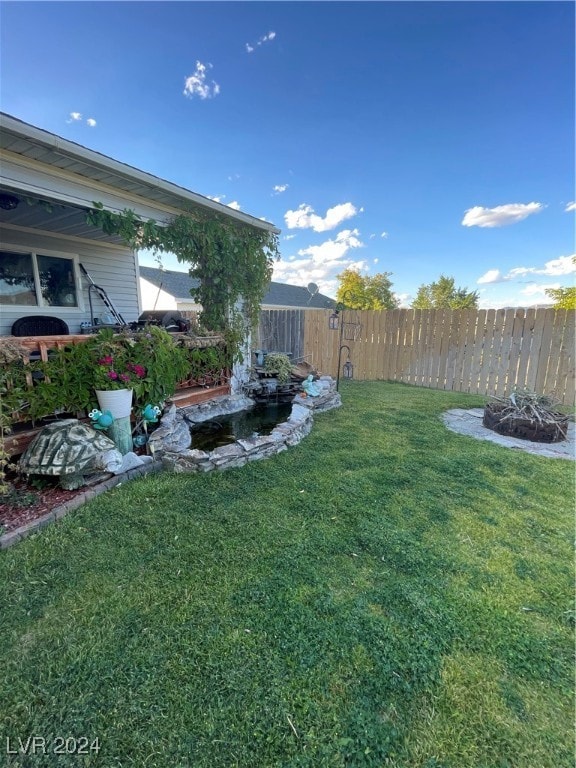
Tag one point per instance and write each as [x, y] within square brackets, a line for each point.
[283, 436]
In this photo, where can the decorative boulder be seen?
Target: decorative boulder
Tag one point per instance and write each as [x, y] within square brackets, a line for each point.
[172, 436]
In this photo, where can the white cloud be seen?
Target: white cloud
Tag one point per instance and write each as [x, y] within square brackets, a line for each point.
[289, 237]
[499, 216]
[384, 235]
[235, 205]
[196, 85]
[570, 207]
[375, 261]
[76, 117]
[305, 218]
[563, 265]
[321, 263]
[332, 250]
[234, 177]
[264, 39]
[217, 198]
[536, 289]
[279, 188]
[492, 276]
[404, 300]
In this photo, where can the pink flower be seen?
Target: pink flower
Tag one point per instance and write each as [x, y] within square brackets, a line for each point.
[140, 371]
[124, 377]
[112, 375]
[107, 360]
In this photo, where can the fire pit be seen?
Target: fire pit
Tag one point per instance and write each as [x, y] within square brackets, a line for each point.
[527, 416]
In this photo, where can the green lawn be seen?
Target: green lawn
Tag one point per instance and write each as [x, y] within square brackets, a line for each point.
[387, 593]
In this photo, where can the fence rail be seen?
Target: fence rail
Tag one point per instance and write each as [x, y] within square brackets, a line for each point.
[478, 351]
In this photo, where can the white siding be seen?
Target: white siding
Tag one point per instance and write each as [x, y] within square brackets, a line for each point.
[113, 268]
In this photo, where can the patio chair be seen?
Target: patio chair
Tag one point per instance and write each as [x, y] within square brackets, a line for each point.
[40, 325]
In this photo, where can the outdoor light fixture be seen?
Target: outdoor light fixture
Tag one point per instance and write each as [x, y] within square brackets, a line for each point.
[8, 202]
[333, 321]
[348, 369]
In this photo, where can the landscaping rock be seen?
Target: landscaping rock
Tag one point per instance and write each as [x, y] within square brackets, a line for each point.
[172, 436]
[131, 461]
[288, 433]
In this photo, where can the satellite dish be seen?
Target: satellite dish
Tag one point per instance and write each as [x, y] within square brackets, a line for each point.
[312, 289]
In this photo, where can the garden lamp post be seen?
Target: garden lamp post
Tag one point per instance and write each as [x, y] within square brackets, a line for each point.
[336, 322]
[348, 367]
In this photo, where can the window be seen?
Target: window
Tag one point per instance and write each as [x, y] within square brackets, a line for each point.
[34, 279]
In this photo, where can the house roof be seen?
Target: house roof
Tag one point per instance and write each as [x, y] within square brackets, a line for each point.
[285, 295]
[178, 284]
[25, 141]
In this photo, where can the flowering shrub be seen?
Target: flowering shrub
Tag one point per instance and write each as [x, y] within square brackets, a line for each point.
[114, 373]
[151, 362]
[148, 362]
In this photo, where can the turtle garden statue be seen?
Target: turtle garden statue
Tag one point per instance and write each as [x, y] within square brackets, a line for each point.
[70, 449]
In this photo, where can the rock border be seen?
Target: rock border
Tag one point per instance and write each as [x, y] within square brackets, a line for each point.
[283, 436]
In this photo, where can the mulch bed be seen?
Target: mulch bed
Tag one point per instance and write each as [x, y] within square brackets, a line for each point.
[23, 503]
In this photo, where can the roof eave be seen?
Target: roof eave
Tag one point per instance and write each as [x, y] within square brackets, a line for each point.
[98, 160]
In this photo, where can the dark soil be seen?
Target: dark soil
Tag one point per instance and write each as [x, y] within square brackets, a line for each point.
[23, 503]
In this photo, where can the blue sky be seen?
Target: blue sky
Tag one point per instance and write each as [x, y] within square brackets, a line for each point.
[417, 138]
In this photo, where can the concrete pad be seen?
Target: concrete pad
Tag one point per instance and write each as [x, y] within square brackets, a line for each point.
[469, 422]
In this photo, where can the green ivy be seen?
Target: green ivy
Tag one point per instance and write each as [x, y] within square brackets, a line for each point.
[232, 261]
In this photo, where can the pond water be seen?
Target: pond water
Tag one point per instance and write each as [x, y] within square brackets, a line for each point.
[225, 430]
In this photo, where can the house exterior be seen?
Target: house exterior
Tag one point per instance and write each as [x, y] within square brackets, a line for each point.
[47, 186]
[163, 289]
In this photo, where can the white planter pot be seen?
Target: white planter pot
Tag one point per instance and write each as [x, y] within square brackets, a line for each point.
[117, 401]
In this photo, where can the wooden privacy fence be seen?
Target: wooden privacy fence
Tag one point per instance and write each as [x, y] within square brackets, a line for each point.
[282, 330]
[485, 352]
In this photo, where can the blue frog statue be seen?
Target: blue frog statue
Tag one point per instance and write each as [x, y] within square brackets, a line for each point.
[310, 387]
[101, 420]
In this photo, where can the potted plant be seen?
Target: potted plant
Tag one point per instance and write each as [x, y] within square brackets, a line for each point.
[115, 373]
[147, 362]
[278, 364]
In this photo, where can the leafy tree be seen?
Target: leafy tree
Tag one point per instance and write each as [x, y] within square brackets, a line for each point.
[564, 298]
[365, 292]
[443, 294]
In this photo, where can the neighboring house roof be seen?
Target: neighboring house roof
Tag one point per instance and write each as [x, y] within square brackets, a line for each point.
[285, 295]
[22, 143]
[178, 284]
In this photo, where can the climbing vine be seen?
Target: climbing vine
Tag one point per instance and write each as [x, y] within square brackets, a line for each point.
[232, 261]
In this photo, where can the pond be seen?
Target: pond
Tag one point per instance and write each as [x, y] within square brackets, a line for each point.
[225, 430]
